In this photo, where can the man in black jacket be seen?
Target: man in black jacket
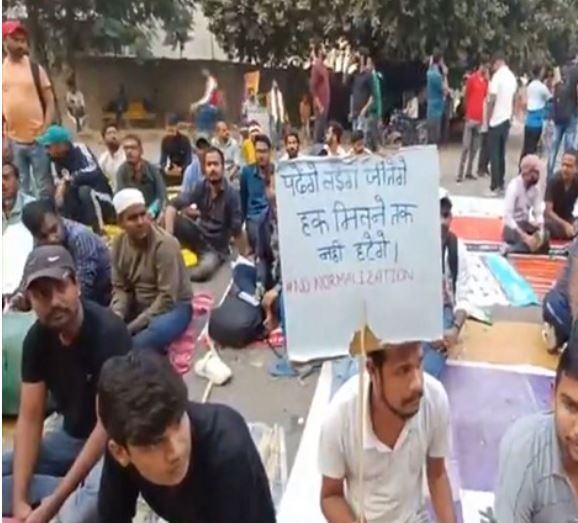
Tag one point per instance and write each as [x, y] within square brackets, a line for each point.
[83, 193]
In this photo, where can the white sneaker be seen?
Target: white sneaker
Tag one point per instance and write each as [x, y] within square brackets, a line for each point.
[212, 368]
[549, 336]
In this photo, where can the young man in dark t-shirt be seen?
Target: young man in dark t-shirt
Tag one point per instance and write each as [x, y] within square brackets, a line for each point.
[561, 197]
[191, 462]
[62, 355]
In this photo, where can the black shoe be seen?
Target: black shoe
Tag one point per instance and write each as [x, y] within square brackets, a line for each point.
[471, 177]
[459, 179]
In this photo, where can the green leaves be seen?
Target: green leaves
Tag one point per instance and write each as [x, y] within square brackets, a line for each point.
[269, 31]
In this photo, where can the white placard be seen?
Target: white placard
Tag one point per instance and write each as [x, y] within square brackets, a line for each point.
[354, 231]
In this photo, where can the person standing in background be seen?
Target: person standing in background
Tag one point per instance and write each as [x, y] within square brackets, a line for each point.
[537, 96]
[435, 99]
[207, 107]
[475, 96]
[305, 117]
[75, 105]
[28, 109]
[320, 93]
[502, 91]
[277, 114]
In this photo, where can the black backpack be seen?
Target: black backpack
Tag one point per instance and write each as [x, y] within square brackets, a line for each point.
[236, 323]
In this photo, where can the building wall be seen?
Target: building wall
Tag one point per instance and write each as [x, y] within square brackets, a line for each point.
[172, 85]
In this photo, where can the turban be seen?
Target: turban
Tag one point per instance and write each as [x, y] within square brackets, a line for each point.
[126, 198]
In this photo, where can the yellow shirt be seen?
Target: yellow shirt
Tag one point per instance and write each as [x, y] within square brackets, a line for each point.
[248, 152]
[21, 105]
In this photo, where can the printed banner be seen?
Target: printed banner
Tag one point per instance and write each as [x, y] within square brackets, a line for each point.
[355, 231]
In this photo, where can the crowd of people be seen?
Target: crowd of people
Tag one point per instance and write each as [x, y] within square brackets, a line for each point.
[106, 315]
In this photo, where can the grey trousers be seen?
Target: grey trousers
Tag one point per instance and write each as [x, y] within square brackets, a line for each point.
[470, 146]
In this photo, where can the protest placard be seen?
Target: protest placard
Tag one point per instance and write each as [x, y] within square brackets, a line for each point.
[354, 231]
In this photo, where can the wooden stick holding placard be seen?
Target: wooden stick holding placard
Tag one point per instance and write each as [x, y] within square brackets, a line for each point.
[363, 342]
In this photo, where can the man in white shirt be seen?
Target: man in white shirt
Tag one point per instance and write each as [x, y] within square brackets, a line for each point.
[333, 137]
[406, 426]
[358, 144]
[523, 222]
[292, 146]
[111, 159]
[537, 96]
[502, 91]
[230, 149]
[455, 285]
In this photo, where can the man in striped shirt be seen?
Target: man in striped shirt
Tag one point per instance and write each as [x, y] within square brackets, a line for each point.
[89, 252]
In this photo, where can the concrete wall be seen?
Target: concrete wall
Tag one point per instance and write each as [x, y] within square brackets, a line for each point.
[172, 85]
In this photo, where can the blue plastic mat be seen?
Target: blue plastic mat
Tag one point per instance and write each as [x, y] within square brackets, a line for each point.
[515, 287]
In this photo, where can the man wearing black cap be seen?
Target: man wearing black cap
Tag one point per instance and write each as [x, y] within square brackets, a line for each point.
[62, 355]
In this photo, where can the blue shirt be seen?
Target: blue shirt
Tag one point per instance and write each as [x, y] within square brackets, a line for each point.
[253, 195]
[435, 92]
[91, 257]
[192, 175]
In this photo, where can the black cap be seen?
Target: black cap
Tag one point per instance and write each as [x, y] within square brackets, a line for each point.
[48, 261]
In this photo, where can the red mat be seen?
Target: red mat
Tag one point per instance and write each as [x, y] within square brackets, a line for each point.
[541, 272]
[469, 228]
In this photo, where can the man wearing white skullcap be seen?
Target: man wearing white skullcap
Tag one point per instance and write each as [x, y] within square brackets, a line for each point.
[151, 290]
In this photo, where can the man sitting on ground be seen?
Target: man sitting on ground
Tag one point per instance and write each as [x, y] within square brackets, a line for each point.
[256, 180]
[82, 191]
[230, 149]
[151, 290]
[561, 198]
[292, 146]
[333, 137]
[89, 252]
[560, 306]
[13, 199]
[176, 150]
[455, 285]
[523, 229]
[111, 159]
[194, 172]
[358, 144]
[205, 220]
[539, 457]
[407, 426]
[62, 356]
[140, 174]
[189, 461]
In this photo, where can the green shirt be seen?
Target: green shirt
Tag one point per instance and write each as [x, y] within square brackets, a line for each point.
[15, 214]
[151, 184]
[377, 106]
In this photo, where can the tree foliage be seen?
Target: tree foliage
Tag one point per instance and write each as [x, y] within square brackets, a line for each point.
[270, 31]
[61, 28]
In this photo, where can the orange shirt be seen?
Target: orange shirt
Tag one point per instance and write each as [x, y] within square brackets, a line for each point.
[21, 106]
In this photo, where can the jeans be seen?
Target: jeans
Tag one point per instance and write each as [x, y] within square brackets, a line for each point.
[259, 236]
[320, 126]
[207, 116]
[85, 205]
[276, 130]
[192, 237]
[556, 312]
[58, 451]
[434, 130]
[370, 127]
[567, 134]
[434, 361]
[164, 329]
[34, 167]
[470, 146]
[497, 140]
[484, 158]
[531, 139]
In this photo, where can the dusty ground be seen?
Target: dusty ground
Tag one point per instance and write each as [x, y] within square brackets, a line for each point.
[252, 391]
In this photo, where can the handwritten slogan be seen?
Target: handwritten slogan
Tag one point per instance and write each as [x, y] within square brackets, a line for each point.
[354, 231]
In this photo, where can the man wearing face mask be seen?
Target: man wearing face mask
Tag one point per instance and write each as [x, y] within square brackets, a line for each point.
[407, 426]
[538, 460]
[205, 219]
[455, 280]
[523, 221]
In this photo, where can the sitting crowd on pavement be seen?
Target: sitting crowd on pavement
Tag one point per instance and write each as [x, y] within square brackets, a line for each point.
[107, 315]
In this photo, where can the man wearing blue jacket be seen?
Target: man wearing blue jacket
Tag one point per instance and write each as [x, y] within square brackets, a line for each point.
[82, 193]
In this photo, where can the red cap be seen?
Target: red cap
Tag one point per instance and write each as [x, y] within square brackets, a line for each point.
[12, 26]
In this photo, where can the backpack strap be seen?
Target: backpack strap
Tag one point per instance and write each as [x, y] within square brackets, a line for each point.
[451, 247]
[35, 70]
